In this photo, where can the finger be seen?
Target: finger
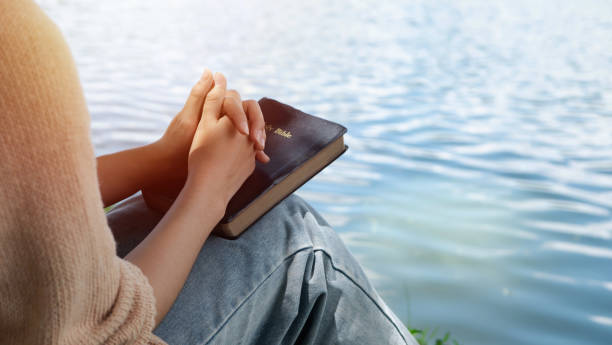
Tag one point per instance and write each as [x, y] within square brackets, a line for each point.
[233, 109]
[262, 156]
[243, 128]
[256, 123]
[234, 94]
[214, 99]
[193, 105]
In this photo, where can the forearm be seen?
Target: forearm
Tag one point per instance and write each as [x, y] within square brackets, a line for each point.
[124, 173]
[220, 159]
[168, 253]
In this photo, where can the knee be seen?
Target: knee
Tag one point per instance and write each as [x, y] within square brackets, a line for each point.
[298, 221]
[294, 205]
[291, 224]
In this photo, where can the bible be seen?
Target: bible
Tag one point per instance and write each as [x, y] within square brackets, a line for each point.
[299, 146]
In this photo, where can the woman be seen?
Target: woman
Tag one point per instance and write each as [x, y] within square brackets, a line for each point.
[287, 280]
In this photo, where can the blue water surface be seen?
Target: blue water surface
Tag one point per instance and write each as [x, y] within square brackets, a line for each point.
[477, 190]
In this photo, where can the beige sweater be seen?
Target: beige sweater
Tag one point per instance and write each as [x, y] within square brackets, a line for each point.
[60, 279]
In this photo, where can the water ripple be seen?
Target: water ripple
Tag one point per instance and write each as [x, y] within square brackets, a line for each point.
[479, 174]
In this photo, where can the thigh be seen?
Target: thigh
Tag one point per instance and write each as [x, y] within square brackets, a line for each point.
[288, 279]
[130, 222]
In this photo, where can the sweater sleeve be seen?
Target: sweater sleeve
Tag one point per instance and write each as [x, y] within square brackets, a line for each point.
[60, 279]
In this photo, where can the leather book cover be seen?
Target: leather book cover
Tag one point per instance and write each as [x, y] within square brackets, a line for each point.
[299, 146]
[292, 138]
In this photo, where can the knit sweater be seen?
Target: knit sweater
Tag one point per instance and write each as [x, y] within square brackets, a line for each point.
[60, 279]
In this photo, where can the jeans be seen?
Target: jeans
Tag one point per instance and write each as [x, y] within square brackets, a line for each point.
[288, 279]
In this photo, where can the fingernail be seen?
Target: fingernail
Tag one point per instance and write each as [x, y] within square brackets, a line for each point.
[218, 77]
[262, 138]
[206, 75]
[245, 127]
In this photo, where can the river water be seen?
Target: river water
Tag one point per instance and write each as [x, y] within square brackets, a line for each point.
[477, 190]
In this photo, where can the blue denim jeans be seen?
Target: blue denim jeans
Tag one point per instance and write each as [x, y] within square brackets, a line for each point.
[288, 279]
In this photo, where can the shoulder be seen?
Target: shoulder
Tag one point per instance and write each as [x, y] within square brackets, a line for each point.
[23, 21]
[36, 61]
[28, 37]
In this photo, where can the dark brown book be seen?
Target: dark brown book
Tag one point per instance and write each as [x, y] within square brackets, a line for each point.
[299, 145]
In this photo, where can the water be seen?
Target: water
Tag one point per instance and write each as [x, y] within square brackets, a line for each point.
[477, 190]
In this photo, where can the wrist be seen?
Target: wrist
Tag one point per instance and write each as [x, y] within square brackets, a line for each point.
[151, 157]
[167, 166]
[204, 191]
[159, 151]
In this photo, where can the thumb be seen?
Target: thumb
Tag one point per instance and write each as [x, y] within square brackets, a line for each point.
[193, 105]
[214, 99]
[212, 109]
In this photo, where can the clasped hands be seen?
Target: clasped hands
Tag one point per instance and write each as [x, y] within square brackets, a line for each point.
[211, 145]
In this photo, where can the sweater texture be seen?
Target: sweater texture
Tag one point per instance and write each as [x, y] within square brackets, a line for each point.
[61, 281]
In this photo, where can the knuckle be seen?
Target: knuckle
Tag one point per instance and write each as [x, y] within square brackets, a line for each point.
[229, 107]
[198, 90]
[253, 106]
[233, 93]
[189, 123]
[259, 124]
[216, 95]
[255, 112]
[229, 100]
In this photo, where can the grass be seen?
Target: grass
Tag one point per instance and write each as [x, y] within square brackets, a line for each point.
[423, 337]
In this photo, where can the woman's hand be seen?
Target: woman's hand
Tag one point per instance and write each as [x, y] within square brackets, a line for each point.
[174, 145]
[176, 141]
[249, 110]
[221, 158]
